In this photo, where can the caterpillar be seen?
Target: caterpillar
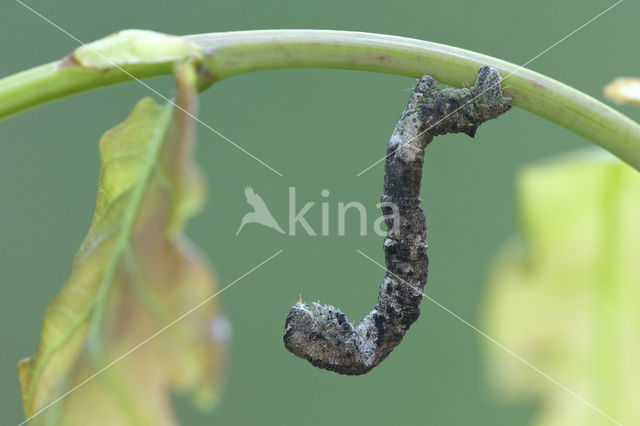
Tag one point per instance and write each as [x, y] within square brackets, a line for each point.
[322, 334]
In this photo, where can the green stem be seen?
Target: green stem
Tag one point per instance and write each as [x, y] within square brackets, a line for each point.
[233, 53]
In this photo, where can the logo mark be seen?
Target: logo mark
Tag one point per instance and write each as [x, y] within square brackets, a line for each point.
[260, 214]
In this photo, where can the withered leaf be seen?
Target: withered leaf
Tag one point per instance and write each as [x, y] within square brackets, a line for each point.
[134, 274]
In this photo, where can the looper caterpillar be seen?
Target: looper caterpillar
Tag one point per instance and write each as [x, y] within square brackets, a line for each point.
[322, 334]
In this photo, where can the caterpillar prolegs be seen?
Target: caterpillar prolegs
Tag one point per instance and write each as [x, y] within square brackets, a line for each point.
[322, 334]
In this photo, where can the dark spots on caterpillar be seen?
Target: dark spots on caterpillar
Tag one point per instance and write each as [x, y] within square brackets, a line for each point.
[315, 337]
[343, 322]
[379, 322]
[402, 252]
[288, 330]
[287, 321]
[391, 314]
[471, 131]
[410, 316]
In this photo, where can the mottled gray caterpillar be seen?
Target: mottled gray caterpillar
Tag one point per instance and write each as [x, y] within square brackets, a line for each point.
[322, 334]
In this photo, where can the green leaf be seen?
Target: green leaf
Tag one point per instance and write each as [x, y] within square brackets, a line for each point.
[130, 47]
[565, 295]
[134, 274]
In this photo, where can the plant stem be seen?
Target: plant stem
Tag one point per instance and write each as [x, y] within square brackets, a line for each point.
[234, 53]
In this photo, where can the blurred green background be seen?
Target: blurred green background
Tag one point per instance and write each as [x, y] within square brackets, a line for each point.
[319, 128]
